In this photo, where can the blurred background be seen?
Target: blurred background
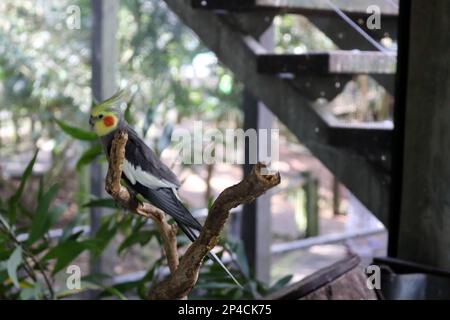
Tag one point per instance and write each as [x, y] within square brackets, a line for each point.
[46, 198]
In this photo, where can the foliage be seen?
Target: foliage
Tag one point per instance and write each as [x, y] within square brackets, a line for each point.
[30, 259]
[45, 96]
[160, 60]
[37, 52]
[23, 270]
[295, 34]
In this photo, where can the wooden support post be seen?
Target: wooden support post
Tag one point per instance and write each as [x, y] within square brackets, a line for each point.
[104, 50]
[336, 197]
[312, 201]
[256, 232]
[312, 209]
[424, 221]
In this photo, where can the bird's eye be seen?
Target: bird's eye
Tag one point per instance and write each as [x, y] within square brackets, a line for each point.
[100, 116]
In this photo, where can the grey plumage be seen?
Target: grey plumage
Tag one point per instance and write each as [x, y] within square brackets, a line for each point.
[145, 174]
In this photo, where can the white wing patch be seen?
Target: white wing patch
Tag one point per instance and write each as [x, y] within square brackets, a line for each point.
[136, 174]
[175, 192]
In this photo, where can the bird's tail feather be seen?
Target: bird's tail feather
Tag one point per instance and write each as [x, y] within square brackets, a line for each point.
[190, 233]
[215, 258]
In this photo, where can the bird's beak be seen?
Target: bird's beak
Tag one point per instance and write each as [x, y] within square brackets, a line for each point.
[91, 121]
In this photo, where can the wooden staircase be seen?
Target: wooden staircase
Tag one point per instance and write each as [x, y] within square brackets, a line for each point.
[290, 84]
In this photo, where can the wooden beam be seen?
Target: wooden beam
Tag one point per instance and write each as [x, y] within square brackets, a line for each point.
[319, 12]
[424, 235]
[313, 87]
[386, 81]
[326, 279]
[297, 6]
[373, 141]
[355, 7]
[252, 23]
[347, 38]
[330, 62]
[283, 99]
[229, 5]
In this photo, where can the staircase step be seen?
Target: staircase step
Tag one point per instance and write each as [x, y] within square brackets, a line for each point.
[239, 53]
[372, 140]
[329, 63]
[347, 38]
[322, 15]
[358, 7]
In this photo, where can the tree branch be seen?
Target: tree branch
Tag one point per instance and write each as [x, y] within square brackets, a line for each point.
[185, 273]
[180, 283]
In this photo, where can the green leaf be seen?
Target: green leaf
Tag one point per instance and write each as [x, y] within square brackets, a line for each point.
[115, 292]
[75, 132]
[242, 259]
[36, 292]
[103, 236]
[40, 191]
[104, 203]
[16, 197]
[55, 213]
[216, 285]
[210, 202]
[43, 218]
[127, 222]
[24, 210]
[107, 291]
[148, 120]
[68, 231]
[142, 238]
[252, 287]
[128, 114]
[281, 283]
[166, 138]
[13, 263]
[65, 253]
[142, 288]
[89, 155]
[96, 278]
[5, 223]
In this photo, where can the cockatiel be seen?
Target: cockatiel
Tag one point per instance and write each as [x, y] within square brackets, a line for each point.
[143, 171]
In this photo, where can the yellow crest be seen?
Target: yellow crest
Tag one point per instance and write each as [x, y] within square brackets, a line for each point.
[105, 116]
[109, 104]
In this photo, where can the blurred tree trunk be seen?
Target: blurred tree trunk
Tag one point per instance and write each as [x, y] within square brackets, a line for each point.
[104, 60]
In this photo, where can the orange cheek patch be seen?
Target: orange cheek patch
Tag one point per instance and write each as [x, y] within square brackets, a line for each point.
[108, 121]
